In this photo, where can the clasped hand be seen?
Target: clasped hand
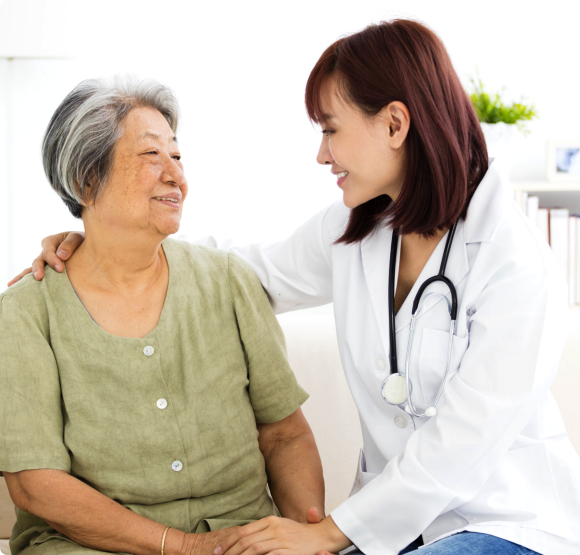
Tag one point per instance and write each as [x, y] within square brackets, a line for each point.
[282, 536]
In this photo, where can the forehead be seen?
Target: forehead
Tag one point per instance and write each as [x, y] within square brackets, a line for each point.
[146, 123]
[332, 102]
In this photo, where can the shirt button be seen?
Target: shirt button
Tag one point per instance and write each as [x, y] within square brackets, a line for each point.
[380, 364]
[401, 421]
[177, 466]
[161, 403]
[148, 351]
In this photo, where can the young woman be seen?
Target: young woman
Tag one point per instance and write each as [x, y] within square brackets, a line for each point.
[464, 446]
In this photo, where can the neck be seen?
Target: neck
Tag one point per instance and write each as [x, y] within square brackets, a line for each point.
[119, 259]
[416, 248]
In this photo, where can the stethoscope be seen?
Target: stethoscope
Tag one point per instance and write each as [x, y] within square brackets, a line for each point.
[397, 389]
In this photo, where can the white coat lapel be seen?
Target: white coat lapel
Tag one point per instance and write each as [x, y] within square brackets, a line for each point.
[375, 252]
[457, 268]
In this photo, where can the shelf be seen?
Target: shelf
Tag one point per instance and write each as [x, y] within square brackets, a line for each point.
[545, 186]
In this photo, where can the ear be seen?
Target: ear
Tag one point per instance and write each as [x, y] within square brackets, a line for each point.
[78, 189]
[397, 120]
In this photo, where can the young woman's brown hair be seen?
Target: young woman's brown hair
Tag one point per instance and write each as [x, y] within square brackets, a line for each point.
[446, 155]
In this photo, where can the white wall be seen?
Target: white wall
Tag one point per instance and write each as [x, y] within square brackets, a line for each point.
[239, 70]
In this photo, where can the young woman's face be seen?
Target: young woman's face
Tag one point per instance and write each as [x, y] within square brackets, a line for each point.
[366, 154]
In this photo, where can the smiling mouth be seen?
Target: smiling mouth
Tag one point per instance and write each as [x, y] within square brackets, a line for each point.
[167, 199]
[341, 174]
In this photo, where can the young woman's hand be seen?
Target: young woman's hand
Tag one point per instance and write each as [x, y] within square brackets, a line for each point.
[287, 537]
[55, 249]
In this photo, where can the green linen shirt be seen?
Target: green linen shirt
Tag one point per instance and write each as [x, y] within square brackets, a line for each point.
[164, 425]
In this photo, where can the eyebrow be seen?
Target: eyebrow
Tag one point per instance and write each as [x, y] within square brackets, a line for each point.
[155, 136]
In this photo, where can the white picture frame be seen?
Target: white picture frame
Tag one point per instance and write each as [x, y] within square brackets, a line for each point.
[563, 161]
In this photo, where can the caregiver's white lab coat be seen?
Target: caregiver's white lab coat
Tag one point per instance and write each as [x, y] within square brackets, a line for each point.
[495, 459]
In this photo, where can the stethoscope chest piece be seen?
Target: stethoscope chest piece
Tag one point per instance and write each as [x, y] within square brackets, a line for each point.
[394, 389]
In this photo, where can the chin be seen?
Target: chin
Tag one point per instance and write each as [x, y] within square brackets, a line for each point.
[352, 201]
[169, 227]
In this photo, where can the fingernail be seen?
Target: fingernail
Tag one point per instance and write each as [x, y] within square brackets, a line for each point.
[57, 266]
[36, 274]
[61, 253]
[217, 550]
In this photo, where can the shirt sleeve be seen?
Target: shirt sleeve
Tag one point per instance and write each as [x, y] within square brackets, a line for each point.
[31, 421]
[296, 272]
[516, 338]
[274, 391]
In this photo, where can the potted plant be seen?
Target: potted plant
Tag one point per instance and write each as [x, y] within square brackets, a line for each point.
[499, 121]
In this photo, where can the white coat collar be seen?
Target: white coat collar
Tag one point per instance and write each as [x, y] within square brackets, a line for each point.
[488, 205]
[484, 216]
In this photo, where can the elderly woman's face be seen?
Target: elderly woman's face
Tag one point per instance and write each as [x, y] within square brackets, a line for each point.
[147, 186]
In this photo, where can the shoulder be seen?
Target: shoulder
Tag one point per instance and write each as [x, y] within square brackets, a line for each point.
[29, 297]
[509, 241]
[518, 266]
[519, 245]
[334, 220]
[200, 257]
[240, 270]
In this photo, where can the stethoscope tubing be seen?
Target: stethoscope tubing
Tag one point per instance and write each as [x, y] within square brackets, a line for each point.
[410, 407]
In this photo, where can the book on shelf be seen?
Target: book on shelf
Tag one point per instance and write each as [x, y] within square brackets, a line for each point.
[572, 257]
[543, 223]
[561, 230]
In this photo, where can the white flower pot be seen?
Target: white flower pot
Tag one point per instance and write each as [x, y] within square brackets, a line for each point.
[499, 138]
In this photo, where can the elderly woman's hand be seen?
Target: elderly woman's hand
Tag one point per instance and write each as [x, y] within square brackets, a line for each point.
[55, 249]
[206, 544]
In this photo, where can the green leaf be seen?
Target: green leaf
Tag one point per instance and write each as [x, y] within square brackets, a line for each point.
[490, 108]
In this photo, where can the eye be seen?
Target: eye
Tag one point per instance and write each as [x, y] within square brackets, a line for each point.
[327, 132]
[177, 157]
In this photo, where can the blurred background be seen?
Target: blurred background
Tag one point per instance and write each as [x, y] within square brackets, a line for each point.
[239, 70]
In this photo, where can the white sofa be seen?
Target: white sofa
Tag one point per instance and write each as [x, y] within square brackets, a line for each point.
[313, 353]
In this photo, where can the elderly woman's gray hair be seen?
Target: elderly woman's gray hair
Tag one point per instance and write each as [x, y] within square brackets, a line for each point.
[78, 147]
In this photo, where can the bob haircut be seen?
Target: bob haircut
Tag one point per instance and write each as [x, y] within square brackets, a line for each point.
[445, 150]
[79, 143]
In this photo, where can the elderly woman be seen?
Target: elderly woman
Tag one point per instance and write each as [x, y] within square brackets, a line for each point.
[145, 396]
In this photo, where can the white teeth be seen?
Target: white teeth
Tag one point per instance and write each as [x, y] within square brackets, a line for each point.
[341, 174]
[169, 199]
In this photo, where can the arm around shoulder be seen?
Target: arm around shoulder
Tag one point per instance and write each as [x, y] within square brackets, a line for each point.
[297, 272]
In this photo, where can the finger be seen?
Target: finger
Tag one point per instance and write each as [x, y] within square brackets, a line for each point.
[312, 516]
[46, 258]
[19, 276]
[247, 536]
[70, 244]
[227, 539]
[270, 546]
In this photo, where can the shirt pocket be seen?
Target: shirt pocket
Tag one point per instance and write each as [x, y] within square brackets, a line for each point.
[433, 360]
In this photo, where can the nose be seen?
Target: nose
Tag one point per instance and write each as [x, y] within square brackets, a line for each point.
[324, 155]
[172, 172]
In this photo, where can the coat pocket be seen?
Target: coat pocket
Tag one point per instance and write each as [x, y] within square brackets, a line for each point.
[362, 477]
[433, 359]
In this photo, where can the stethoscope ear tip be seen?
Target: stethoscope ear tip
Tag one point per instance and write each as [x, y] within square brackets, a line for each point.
[407, 409]
[431, 411]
